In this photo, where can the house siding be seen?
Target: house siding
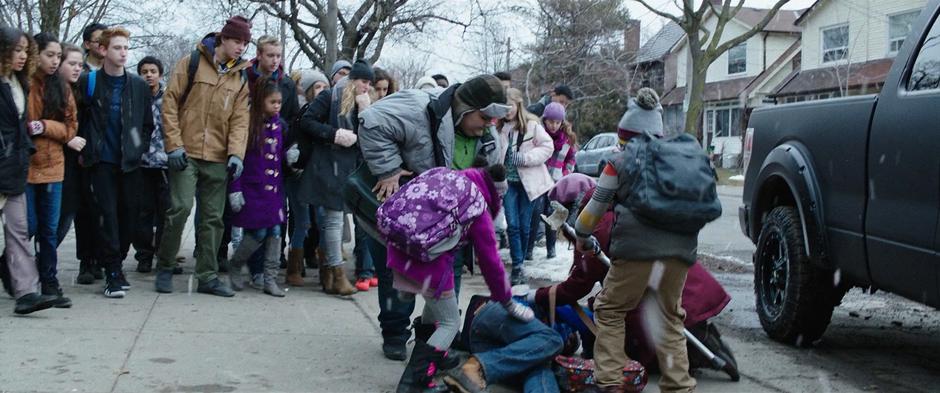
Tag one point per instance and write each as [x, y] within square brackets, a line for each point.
[868, 28]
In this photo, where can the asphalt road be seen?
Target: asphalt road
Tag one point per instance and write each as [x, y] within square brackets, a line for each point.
[878, 342]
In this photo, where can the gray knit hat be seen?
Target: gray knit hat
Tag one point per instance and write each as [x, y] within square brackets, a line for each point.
[338, 65]
[644, 114]
[309, 77]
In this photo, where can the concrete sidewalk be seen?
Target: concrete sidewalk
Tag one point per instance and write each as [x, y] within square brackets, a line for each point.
[189, 342]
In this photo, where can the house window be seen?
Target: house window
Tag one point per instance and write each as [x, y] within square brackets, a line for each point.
[898, 27]
[835, 45]
[737, 59]
[925, 75]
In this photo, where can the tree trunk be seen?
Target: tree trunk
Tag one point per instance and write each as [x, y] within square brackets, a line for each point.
[50, 16]
[695, 91]
[330, 30]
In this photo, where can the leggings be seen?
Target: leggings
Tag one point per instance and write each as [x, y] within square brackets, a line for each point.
[444, 313]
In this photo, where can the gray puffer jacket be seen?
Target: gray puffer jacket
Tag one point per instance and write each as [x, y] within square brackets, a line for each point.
[395, 134]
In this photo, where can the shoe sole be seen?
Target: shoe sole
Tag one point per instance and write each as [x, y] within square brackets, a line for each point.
[114, 295]
[275, 295]
[215, 293]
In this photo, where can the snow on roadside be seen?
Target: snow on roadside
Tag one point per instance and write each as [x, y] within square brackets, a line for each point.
[544, 269]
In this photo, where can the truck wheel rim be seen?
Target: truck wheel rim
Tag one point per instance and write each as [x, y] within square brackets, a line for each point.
[775, 274]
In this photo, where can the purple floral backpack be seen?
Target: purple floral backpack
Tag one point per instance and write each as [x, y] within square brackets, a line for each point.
[430, 214]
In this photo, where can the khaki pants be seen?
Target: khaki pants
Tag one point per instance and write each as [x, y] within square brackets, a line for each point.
[624, 287]
[18, 250]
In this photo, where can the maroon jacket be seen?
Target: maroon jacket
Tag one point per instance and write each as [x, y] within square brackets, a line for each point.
[702, 298]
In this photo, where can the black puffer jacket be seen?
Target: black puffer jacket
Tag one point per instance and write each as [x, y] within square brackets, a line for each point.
[136, 118]
[15, 144]
[325, 174]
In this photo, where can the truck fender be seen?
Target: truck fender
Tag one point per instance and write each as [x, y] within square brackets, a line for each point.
[787, 177]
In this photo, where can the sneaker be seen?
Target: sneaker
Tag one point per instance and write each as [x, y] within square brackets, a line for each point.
[85, 275]
[374, 282]
[516, 277]
[362, 284]
[113, 289]
[122, 281]
[164, 281]
[550, 253]
[215, 287]
[395, 351]
[56, 290]
[144, 266]
[33, 302]
[97, 271]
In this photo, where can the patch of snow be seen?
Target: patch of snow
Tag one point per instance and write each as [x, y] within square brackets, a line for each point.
[736, 178]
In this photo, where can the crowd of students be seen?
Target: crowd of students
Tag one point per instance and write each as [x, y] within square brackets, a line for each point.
[265, 156]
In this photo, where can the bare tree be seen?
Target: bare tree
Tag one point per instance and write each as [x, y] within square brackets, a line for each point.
[325, 31]
[67, 18]
[581, 44]
[705, 46]
[408, 71]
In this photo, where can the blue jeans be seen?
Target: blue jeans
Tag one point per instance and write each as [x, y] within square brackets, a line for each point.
[365, 266]
[512, 350]
[394, 313]
[264, 233]
[518, 221]
[45, 203]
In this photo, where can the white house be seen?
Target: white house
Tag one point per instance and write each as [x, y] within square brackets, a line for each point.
[847, 47]
[740, 78]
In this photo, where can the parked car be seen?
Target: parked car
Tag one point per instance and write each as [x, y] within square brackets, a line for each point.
[845, 193]
[588, 159]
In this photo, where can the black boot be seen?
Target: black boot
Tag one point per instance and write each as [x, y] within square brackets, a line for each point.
[420, 373]
[56, 290]
[423, 332]
[85, 273]
[97, 270]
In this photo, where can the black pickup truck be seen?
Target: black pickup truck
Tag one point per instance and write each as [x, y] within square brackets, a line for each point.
[845, 193]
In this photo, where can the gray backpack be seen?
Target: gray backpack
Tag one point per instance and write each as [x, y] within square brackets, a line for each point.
[669, 183]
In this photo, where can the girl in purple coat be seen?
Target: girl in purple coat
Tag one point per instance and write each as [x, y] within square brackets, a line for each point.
[257, 197]
[422, 260]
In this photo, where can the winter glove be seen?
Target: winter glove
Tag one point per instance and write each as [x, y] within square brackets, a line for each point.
[293, 154]
[235, 166]
[588, 245]
[518, 159]
[345, 138]
[177, 159]
[236, 201]
[363, 101]
[519, 311]
[77, 143]
[36, 127]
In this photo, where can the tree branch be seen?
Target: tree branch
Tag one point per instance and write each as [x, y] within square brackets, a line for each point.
[750, 33]
[660, 13]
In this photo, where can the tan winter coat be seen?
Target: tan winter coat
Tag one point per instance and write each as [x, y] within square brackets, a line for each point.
[213, 124]
[47, 165]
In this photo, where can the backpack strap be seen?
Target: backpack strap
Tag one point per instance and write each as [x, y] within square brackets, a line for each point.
[190, 76]
[92, 79]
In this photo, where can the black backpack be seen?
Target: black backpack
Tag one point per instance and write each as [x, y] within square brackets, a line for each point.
[670, 182]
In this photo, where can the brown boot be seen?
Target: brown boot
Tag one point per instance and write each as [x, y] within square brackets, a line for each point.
[326, 279]
[341, 285]
[295, 264]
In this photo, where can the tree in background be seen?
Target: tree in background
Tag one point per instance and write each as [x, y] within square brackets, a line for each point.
[580, 43]
[705, 46]
[326, 32]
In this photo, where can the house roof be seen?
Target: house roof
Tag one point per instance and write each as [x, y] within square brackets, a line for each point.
[714, 91]
[782, 22]
[867, 74]
[807, 11]
[774, 68]
[659, 46]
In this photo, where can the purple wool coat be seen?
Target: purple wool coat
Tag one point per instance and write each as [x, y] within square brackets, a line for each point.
[262, 181]
[437, 276]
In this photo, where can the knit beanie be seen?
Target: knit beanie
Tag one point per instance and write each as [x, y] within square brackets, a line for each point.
[309, 77]
[644, 114]
[426, 82]
[554, 111]
[338, 65]
[483, 93]
[237, 27]
[361, 69]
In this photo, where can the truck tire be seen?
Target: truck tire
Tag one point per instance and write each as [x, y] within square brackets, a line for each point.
[794, 298]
